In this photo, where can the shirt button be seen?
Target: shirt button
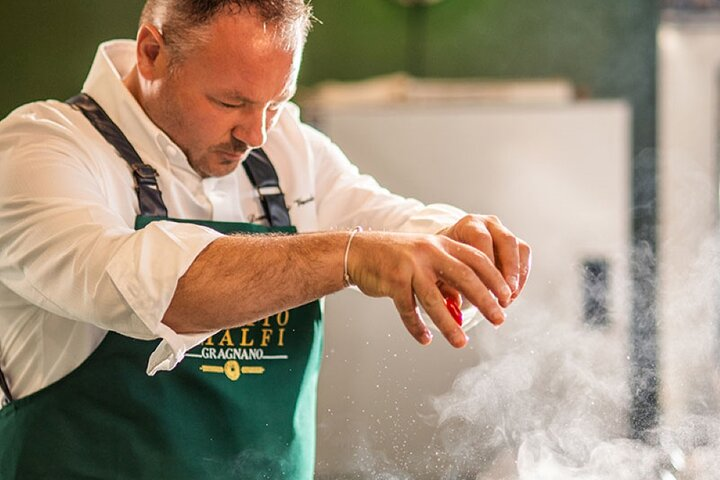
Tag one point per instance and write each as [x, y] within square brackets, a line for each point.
[170, 151]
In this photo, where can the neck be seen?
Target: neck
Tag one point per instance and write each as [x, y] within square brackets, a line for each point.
[132, 83]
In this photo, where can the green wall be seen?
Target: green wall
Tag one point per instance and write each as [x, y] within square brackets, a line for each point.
[606, 47]
[47, 46]
[584, 40]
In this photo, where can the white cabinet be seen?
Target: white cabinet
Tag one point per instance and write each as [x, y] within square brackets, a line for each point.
[688, 106]
[557, 175]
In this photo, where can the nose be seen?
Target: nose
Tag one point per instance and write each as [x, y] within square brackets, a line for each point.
[252, 127]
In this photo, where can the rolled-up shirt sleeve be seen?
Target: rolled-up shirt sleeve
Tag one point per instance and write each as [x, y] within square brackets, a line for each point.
[147, 286]
[66, 250]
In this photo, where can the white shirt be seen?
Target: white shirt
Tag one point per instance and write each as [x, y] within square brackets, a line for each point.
[72, 267]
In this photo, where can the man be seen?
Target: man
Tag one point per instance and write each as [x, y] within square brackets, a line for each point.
[132, 243]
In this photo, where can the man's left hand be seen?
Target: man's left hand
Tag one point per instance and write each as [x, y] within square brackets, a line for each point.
[511, 256]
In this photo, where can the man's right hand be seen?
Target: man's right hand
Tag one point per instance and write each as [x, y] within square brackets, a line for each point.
[406, 267]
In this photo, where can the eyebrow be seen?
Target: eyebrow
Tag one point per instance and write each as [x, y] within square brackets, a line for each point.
[238, 97]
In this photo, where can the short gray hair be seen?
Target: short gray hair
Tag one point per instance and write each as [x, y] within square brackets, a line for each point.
[182, 22]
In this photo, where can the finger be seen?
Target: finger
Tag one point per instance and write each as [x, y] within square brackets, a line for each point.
[453, 301]
[449, 292]
[433, 302]
[472, 273]
[483, 268]
[507, 255]
[476, 234]
[407, 308]
[525, 266]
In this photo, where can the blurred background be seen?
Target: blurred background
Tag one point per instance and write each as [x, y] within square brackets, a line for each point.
[591, 129]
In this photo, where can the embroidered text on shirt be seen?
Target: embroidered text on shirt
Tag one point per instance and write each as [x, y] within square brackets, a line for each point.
[302, 201]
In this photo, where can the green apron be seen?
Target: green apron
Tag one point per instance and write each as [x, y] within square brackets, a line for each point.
[241, 405]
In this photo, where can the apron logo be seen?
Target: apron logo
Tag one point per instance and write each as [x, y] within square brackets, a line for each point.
[232, 370]
[244, 344]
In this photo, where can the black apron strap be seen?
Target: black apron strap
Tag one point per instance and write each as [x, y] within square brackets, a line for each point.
[5, 389]
[148, 192]
[264, 178]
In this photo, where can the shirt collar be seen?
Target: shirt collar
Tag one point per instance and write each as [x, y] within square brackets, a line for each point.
[114, 60]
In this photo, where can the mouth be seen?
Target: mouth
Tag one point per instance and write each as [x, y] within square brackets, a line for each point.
[232, 157]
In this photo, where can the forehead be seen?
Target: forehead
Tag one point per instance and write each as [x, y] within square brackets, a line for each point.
[239, 50]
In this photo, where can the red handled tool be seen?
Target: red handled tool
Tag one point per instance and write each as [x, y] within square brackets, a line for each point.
[454, 309]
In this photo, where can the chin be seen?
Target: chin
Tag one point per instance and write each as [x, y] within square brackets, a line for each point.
[223, 169]
[216, 167]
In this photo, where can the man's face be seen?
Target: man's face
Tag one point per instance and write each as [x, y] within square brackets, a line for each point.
[222, 98]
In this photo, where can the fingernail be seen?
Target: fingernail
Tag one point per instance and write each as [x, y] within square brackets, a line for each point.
[506, 293]
[426, 337]
[514, 282]
[498, 318]
[460, 339]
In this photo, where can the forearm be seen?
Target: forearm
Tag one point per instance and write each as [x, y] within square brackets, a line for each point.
[240, 279]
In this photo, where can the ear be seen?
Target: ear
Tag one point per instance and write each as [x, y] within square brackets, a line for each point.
[151, 53]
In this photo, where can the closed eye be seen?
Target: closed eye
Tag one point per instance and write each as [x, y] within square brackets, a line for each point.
[274, 106]
[227, 105]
